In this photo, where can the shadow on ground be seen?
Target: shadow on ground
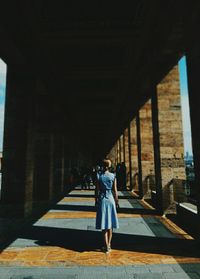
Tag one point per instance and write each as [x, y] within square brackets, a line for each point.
[191, 229]
[90, 240]
[85, 240]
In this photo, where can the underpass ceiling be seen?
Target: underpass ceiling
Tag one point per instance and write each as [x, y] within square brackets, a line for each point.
[98, 58]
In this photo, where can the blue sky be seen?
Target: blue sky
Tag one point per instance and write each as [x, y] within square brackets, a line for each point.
[2, 98]
[185, 106]
[184, 101]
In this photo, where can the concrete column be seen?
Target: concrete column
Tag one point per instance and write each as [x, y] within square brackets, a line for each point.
[58, 152]
[171, 136]
[193, 60]
[16, 134]
[121, 140]
[51, 167]
[42, 178]
[130, 159]
[157, 194]
[140, 188]
[124, 148]
[67, 163]
[112, 156]
[116, 158]
[126, 157]
[118, 152]
[30, 163]
[63, 165]
[29, 182]
[147, 157]
[115, 155]
[119, 143]
[134, 154]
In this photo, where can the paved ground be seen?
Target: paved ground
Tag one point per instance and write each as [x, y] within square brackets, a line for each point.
[65, 244]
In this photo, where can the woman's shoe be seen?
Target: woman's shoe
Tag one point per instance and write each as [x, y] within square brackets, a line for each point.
[108, 249]
[104, 249]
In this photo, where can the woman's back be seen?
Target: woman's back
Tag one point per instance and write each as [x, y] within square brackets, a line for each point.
[106, 180]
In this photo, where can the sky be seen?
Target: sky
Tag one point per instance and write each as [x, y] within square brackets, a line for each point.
[184, 102]
[185, 106]
[2, 98]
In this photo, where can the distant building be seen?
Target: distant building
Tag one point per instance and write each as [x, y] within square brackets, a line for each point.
[188, 159]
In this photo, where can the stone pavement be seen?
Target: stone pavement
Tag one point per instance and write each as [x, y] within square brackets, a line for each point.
[64, 244]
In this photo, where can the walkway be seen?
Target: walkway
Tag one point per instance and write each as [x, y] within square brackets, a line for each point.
[65, 244]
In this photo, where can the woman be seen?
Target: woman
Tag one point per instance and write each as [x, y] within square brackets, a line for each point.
[106, 218]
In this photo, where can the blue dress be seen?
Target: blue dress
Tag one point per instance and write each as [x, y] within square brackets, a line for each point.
[106, 217]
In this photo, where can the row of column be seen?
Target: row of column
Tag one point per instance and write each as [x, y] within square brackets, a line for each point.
[152, 144]
[37, 151]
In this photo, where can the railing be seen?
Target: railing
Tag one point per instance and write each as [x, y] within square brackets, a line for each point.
[175, 192]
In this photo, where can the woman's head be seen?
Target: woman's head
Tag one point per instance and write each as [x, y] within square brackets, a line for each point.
[106, 164]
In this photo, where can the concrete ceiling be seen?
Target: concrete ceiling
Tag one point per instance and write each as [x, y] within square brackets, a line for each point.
[99, 59]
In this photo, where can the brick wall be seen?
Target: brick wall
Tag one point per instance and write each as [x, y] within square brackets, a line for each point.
[171, 131]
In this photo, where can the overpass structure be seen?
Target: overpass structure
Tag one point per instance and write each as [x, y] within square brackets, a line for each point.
[88, 80]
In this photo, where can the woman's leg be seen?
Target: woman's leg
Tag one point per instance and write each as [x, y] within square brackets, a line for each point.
[105, 236]
[109, 237]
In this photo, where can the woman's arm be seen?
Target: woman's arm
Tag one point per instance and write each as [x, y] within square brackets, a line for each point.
[115, 192]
